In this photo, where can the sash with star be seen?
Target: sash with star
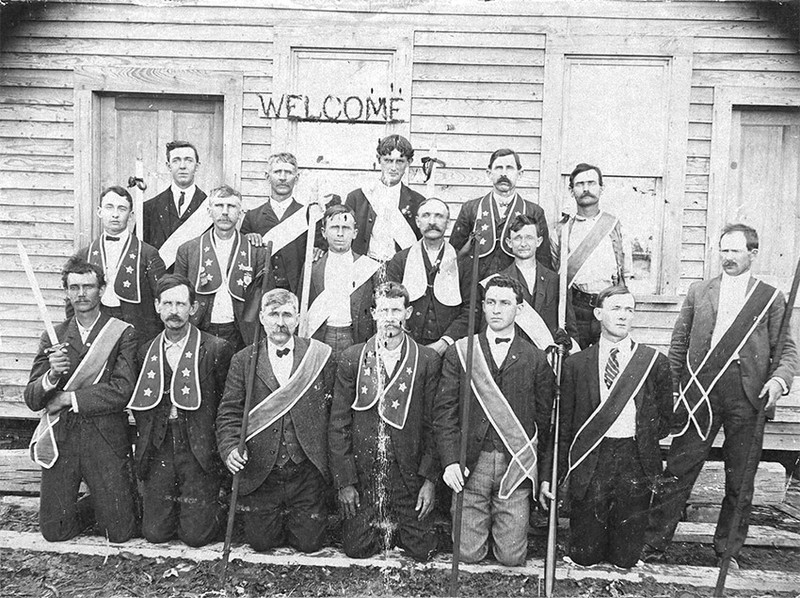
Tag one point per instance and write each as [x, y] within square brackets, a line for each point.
[185, 383]
[126, 285]
[486, 224]
[395, 400]
[208, 278]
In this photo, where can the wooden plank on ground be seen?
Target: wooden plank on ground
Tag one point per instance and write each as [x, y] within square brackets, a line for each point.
[758, 535]
[18, 474]
[770, 484]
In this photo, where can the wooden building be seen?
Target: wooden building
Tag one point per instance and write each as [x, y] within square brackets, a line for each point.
[691, 108]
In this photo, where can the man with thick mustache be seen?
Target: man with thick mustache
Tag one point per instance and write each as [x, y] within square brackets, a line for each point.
[437, 281]
[594, 240]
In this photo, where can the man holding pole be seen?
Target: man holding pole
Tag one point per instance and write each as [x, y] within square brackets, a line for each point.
[511, 397]
[616, 402]
[723, 359]
[284, 468]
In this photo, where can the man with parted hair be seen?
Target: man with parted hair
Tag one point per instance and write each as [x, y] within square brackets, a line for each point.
[284, 467]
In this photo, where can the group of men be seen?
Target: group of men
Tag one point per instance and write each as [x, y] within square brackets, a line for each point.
[368, 402]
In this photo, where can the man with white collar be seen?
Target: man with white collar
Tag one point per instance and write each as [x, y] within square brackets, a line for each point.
[386, 209]
[723, 357]
[616, 403]
[175, 405]
[596, 257]
[486, 220]
[132, 268]
[285, 465]
[221, 265]
[511, 396]
[381, 443]
[436, 279]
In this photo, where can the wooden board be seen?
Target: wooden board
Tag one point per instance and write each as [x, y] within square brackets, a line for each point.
[758, 535]
[18, 474]
[770, 484]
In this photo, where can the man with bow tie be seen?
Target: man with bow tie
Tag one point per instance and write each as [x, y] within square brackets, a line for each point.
[132, 267]
[382, 451]
[175, 406]
[437, 281]
[511, 398]
[486, 220]
[284, 468]
[221, 264]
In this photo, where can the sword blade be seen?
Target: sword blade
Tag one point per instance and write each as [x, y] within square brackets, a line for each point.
[37, 294]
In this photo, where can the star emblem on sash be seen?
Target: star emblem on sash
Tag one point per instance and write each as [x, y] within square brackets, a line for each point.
[185, 390]
[186, 372]
[206, 249]
[154, 358]
[485, 227]
[240, 282]
[483, 241]
[402, 387]
[151, 374]
[95, 252]
[188, 354]
[132, 256]
[409, 371]
[367, 372]
[129, 269]
[209, 262]
[126, 283]
[364, 390]
[148, 392]
[243, 253]
[396, 404]
[483, 215]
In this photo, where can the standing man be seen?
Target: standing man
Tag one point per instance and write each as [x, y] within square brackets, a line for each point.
[167, 215]
[132, 268]
[83, 384]
[437, 281]
[382, 451]
[723, 355]
[596, 259]
[386, 209]
[175, 405]
[221, 264]
[511, 398]
[616, 402]
[284, 467]
[486, 220]
[341, 286]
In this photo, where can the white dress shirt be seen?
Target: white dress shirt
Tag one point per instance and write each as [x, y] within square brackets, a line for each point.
[173, 352]
[499, 350]
[281, 366]
[625, 426]
[222, 310]
[600, 267]
[280, 207]
[339, 282]
[113, 255]
[529, 274]
[384, 201]
[389, 358]
[187, 198]
[502, 203]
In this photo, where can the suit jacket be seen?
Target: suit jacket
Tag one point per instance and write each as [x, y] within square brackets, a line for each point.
[352, 435]
[692, 336]
[580, 396]
[142, 316]
[213, 360]
[361, 300]
[365, 215]
[160, 217]
[499, 260]
[451, 321]
[309, 415]
[527, 382]
[187, 263]
[101, 420]
[545, 297]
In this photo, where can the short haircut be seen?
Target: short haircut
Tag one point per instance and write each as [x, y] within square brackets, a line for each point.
[337, 210]
[282, 157]
[392, 290]
[222, 192]
[172, 145]
[611, 291]
[279, 297]
[750, 234]
[440, 200]
[503, 152]
[121, 191]
[524, 220]
[504, 282]
[583, 167]
[78, 265]
[170, 281]
[395, 142]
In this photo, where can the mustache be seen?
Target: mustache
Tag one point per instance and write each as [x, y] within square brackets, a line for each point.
[588, 194]
[174, 319]
[433, 227]
[504, 179]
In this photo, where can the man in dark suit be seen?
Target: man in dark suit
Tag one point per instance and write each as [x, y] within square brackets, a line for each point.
[341, 280]
[175, 405]
[285, 464]
[616, 403]
[486, 220]
[221, 265]
[386, 209]
[382, 451]
[83, 383]
[437, 281]
[509, 413]
[132, 268]
[167, 212]
[722, 355]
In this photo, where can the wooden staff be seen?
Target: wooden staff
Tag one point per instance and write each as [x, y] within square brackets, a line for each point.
[138, 193]
[248, 399]
[751, 465]
[466, 385]
[314, 214]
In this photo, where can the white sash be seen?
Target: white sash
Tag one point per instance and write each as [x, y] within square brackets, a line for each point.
[401, 230]
[194, 226]
[445, 284]
[288, 230]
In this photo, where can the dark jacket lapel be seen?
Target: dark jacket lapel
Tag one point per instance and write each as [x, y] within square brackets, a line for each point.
[592, 363]
[264, 369]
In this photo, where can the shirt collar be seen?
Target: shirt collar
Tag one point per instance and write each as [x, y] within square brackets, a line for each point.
[86, 330]
[181, 343]
[504, 201]
[625, 345]
[394, 353]
[189, 191]
[273, 349]
[491, 335]
[347, 256]
[735, 282]
[580, 218]
[123, 236]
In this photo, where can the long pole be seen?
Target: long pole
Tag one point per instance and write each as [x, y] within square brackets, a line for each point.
[314, 214]
[466, 384]
[751, 465]
[248, 399]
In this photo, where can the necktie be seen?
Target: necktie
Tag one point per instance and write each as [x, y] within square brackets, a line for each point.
[108, 238]
[502, 340]
[612, 368]
[181, 201]
[282, 352]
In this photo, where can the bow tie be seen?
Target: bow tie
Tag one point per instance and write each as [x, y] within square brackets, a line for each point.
[282, 352]
[109, 238]
[502, 340]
